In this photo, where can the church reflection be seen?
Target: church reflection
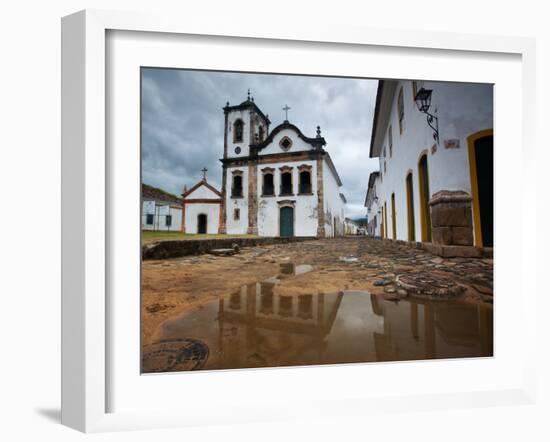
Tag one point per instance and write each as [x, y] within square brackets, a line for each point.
[258, 327]
[255, 324]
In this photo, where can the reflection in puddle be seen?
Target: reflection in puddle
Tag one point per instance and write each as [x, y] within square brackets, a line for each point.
[255, 327]
[291, 269]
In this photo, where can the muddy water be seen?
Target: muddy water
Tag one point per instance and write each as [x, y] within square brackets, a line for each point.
[256, 327]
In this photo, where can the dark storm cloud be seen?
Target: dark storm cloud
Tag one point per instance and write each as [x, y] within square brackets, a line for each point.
[182, 123]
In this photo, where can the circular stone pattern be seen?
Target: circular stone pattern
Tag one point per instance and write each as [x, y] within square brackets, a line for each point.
[428, 285]
[174, 355]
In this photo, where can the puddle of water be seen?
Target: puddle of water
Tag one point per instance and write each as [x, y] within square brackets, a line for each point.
[348, 259]
[256, 327]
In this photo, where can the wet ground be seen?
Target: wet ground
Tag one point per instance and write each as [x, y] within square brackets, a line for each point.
[318, 302]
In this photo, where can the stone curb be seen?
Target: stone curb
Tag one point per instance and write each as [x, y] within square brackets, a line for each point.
[179, 248]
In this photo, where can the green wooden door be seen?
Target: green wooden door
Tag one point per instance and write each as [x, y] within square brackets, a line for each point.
[287, 221]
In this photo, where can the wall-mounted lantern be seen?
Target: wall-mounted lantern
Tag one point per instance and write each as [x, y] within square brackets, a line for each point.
[423, 100]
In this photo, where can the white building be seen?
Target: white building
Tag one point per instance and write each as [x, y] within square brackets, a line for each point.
[278, 182]
[351, 227]
[201, 209]
[435, 182]
[160, 210]
[374, 208]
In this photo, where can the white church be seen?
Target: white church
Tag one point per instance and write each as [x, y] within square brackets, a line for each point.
[276, 182]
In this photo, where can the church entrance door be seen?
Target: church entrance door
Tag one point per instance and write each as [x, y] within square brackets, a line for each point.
[201, 223]
[286, 227]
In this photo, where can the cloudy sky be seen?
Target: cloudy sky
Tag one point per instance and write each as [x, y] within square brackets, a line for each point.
[182, 123]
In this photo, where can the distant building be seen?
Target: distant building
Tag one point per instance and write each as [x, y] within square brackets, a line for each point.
[160, 210]
[351, 227]
[435, 181]
[374, 209]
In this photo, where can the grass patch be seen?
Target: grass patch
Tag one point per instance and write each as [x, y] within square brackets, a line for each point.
[152, 236]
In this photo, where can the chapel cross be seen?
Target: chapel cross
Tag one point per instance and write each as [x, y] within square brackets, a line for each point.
[204, 170]
[286, 109]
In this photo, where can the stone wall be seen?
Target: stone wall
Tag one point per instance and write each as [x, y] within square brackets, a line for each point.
[176, 249]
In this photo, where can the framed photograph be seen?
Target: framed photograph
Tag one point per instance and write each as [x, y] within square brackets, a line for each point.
[249, 215]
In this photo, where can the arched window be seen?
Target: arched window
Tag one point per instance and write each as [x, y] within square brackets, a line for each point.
[400, 111]
[268, 188]
[237, 187]
[305, 182]
[286, 181]
[390, 140]
[238, 130]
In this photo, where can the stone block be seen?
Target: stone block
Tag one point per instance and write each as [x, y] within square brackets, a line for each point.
[452, 251]
[451, 214]
[459, 252]
[442, 235]
[462, 236]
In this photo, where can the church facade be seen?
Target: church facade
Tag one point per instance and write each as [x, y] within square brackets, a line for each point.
[277, 182]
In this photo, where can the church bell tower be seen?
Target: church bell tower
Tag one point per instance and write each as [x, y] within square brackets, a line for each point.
[245, 125]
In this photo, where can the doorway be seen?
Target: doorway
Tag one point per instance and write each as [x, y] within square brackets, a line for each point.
[393, 218]
[202, 222]
[410, 207]
[480, 150]
[424, 185]
[286, 226]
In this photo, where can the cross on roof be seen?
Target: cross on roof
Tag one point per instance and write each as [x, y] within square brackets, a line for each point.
[204, 170]
[286, 109]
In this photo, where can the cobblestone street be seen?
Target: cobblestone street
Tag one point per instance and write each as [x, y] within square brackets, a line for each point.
[393, 271]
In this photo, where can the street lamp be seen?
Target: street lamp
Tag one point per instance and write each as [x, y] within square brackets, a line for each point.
[423, 101]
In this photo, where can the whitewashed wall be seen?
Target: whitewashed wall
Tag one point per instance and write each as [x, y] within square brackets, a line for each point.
[332, 202]
[240, 226]
[202, 192]
[159, 213]
[462, 109]
[298, 145]
[193, 210]
[375, 208]
[305, 211]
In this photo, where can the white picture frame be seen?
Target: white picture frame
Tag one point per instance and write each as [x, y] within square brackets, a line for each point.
[86, 316]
